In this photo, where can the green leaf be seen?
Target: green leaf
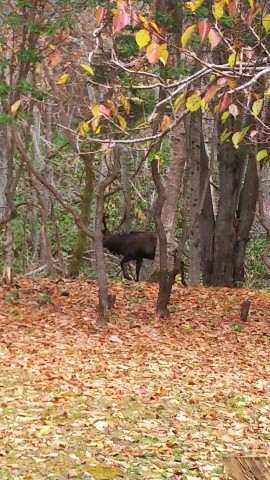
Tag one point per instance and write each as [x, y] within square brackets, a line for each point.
[261, 155]
[225, 135]
[186, 35]
[266, 22]
[239, 136]
[233, 58]
[178, 102]
[257, 107]
[224, 116]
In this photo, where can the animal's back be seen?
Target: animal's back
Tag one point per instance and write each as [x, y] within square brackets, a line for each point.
[134, 244]
[141, 244]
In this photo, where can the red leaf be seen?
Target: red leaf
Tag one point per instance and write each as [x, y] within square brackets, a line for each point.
[250, 15]
[134, 18]
[224, 102]
[214, 38]
[210, 93]
[204, 28]
[105, 110]
[121, 19]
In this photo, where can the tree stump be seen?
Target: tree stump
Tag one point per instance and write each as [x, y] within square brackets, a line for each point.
[247, 468]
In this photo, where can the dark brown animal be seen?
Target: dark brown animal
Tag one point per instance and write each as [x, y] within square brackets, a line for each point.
[133, 246]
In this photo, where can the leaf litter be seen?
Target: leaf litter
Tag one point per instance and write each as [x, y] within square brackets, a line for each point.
[145, 398]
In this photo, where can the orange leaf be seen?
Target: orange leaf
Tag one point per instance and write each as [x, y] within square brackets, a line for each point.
[100, 14]
[165, 123]
[153, 52]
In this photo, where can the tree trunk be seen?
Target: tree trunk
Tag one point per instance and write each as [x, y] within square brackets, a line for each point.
[7, 207]
[87, 197]
[247, 467]
[57, 240]
[230, 161]
[164, 288]
[178, 151]
[207, 220]
[126, 191]
[7, 275]
[173, 188]
[245, 216]
[194, 251]
[3, 170]
[104, 304]
[43, 196]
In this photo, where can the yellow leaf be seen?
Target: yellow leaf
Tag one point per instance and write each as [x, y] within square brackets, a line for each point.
[194, 5]
[154, 26]
[178, 102]
[95, 109]
[87, 68]
[233, 58]
[142, 38]
[125, 102]
[122, 122]
[61, 80]
[261, 155]
[15, 106]
[95, 125]
[144, 20]
[267, 92]
[232, 84]
[112, 107]
[186, 35]
[266, 22]
[204, 105]
[218, 9]
[140, 215]
[45, 430]
[163, 53]
[193, 102]
[225, 134]
[239, 136]
[83, 128]
[136, 100]
[51, 46]
[257, 107]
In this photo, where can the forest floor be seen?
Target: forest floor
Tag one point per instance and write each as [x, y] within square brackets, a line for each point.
[143, 399]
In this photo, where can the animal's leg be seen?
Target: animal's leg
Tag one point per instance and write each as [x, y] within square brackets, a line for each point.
[138, 268]
[122, 263]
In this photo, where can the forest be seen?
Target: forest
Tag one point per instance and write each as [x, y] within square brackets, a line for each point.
[135, 239]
